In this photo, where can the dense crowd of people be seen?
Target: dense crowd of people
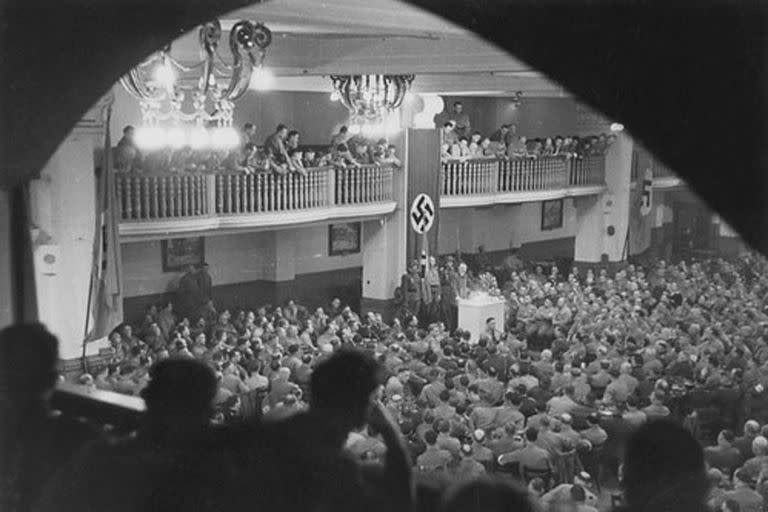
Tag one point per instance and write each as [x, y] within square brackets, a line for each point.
[549, 397]
[460, 142]
[280, 153]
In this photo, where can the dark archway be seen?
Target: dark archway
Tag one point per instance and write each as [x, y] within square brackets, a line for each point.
[688, 81]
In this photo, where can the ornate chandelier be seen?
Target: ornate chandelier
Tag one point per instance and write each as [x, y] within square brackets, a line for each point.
[161, 84]
[370, 97]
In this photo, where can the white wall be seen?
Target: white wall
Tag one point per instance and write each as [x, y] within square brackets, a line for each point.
[237, 258]
[500, 228]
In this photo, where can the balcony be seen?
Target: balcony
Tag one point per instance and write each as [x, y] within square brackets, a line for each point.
[482, 182]
[156, 204]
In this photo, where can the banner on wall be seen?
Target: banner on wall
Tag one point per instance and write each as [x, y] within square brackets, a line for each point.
[423, 192]
[640, 221]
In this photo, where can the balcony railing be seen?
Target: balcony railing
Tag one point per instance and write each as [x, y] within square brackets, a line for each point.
[157, 197]
[162, 196]
[260, 193]
[470, 177]
[489, 176]
[360, 185]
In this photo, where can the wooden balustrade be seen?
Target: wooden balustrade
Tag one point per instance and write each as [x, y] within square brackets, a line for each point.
[161, 196]
[260, 193]
[361, 185]
[470, 177]
[587, 170]
[528, 175]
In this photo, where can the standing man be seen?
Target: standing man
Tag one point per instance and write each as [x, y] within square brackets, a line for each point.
[461, 282]
[461, 119]
[189, 298]
[447, 294]
[433, 289]
[274, 146]
[411, 285]
[205, 283]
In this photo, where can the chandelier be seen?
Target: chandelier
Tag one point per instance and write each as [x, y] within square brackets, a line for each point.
[370, 97]
[162, 84]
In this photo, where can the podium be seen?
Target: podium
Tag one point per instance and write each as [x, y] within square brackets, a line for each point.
[474, 311]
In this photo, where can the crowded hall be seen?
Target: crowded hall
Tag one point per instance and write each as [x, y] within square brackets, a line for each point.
[306, 255]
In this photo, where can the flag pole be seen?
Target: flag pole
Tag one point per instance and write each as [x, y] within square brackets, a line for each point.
[98, 239]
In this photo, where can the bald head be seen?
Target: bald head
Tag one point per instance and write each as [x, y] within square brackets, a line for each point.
[760, 446]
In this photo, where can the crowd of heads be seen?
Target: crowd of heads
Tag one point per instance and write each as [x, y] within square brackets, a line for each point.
[280, 153]
[575, 350]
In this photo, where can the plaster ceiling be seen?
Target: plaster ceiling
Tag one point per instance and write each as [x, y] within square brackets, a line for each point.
[313, 39]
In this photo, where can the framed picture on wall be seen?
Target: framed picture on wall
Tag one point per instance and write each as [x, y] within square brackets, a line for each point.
[344, 238]
[551, 214]
[179, 253]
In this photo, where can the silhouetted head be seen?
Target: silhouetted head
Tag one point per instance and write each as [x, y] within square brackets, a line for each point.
[664, 469]
[180, 390]
[28, 358]
[487, 495]
[343, 384]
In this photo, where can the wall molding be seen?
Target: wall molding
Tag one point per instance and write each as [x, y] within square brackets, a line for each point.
[154, 229]
[519, 197]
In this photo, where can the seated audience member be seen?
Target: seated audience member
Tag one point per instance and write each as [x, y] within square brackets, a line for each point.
[361, 154]
[474, 145]
[390, 157]
[173, 461]
[292, 140]
[518, 148]
[743, 496]
[664, 469]
[297, 161]
[548, 149]
[487, 495]
[34, 442]
[434, 458]
[744, 443]
[500, 134]
[343, 157]
[534, 148]
[752, 467]
[562, 492]
[723, 456]
[531, 455]
[464, 151]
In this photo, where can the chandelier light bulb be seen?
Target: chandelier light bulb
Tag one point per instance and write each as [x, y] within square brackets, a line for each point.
[165, 75]
[150, 138]
[354, 129]
[617, 127]
[335, 96]
[231, 138]
[176, 138]
[262, 79]
[199, 138]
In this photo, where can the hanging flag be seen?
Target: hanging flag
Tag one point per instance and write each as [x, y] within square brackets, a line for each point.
[647, 192]
[105, 311]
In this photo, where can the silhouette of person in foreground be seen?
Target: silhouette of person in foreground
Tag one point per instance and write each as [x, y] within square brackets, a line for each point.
[488, 495]
[299, 463]
[34, 440]
[664, 470]
[172, 463]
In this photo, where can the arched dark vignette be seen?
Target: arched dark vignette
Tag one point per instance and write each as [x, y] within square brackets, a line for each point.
[688, 81]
